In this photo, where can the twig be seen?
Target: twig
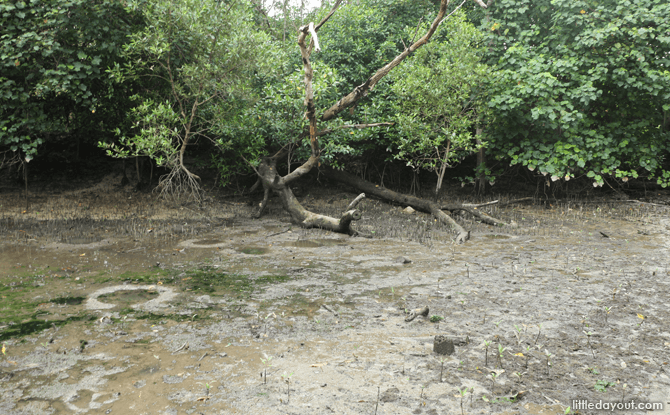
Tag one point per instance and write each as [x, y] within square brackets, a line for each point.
[278, 233]
[494, 202]
[183, 346]
[331, 310]
[202, 357]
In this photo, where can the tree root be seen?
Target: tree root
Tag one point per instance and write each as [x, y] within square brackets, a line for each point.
[179, 182]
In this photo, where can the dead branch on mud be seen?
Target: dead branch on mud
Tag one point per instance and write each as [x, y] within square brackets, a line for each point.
[479, 215]
[417, 203]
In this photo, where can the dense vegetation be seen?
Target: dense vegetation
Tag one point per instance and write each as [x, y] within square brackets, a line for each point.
[566, 89]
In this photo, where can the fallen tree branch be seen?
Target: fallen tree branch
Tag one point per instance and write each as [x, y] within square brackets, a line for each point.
[415, 202]
[481, 216]
[355, 201]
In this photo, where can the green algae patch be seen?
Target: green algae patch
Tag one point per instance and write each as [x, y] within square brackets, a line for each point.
[34, 325]
[127, 297]
[148, 277]
[68, 300]
[211, 280]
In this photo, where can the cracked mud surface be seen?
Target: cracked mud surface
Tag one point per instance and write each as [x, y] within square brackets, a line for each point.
[215, 313]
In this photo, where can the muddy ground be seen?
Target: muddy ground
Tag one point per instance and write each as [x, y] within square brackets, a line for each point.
[113, 301]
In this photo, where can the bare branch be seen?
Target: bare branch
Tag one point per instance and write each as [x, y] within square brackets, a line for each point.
[332, 11]
[363, 89]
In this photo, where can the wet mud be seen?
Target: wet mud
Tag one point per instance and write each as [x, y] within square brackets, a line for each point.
[132, 305]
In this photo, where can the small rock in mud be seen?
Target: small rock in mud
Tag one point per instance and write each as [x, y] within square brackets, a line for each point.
[402, 260]
[390, 395]
[408, 210]
[443, 345]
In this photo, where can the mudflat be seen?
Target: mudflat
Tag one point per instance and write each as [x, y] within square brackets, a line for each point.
[113, 301]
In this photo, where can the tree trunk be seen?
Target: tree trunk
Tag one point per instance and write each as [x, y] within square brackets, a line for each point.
[267, 171]
[443, 169]
[481, 182]
[273, 182]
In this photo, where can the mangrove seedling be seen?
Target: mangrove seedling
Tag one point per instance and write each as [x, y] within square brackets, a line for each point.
[602, 385]
[588, 338]
[501, 350]
[462, 392]
[539, 326]
[519, 376]
[518, 334]
[548, 355]
[268, 363]
[494, 375]
[607, 312]
[486, 352]
[441, 368]
[287, 379]
[472, 392]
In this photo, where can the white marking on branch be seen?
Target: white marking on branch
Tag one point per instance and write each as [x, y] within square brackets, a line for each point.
[317, 48]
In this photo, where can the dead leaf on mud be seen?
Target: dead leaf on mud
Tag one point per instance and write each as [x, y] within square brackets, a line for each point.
[202, 398]
[319, 364]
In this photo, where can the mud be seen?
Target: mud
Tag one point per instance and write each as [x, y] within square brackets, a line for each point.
[116, 302]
